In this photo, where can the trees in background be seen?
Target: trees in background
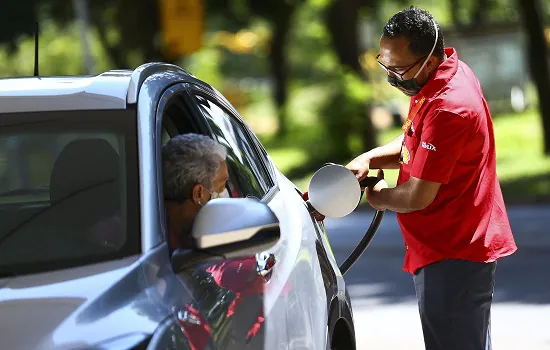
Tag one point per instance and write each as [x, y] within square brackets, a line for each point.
[129, 33]
[280, 15]
[348, 115]
[238, 14]
[17, 18]
[537, 55]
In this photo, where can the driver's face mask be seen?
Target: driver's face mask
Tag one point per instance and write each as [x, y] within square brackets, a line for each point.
[222, 194]
[214, 195]
[411, 87]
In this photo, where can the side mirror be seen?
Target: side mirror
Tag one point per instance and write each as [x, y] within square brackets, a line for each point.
[230, 227]
[226, 222]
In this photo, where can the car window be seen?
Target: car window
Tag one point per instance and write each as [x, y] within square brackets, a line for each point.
[68, 189]
[165, 137]
[246, 173]
[268, 166]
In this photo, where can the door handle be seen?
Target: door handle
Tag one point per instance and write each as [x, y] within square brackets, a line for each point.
[264, 265]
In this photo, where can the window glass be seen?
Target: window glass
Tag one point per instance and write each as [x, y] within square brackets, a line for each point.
[246, 174]
[268, 166]
[68, 189]
[165, 137]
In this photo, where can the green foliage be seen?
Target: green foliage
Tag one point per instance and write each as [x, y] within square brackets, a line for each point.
[206, 65]
[439, 9]
[310, 54]
[60, 53]
[17, 18]
[343, 115]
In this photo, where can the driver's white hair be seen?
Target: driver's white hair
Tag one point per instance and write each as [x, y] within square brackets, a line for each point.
[187, 160]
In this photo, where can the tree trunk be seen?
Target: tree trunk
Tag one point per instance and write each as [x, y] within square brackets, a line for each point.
[342, 18]
[480, 12]
[114, 53]
[279, 69]
[538, 61]
[279, 14]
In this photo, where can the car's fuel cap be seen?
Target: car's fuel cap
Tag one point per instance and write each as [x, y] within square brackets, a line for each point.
[334, 191]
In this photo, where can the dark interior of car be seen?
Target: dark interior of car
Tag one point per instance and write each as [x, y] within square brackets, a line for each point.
[84, 191]
[68, 189]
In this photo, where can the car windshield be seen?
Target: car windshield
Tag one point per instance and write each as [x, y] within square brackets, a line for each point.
[68, 189]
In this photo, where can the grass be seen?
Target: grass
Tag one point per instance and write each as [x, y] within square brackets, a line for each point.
[523, 170]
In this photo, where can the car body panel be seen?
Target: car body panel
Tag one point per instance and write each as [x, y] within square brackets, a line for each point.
[92, 305]
[143, 72]
[104, 91]
[150, 95]
[306, 311]
[51, 303]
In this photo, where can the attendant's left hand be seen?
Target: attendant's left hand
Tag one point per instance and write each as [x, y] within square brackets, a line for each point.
[372, 194]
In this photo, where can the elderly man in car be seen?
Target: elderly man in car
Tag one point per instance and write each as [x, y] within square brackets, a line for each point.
[194, 172]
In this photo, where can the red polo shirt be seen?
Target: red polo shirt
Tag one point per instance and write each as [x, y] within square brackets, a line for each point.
[451, 142]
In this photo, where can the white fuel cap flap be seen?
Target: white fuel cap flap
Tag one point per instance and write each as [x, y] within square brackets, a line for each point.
[334, 191]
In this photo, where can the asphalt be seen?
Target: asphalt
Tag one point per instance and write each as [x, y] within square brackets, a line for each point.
[385, 311]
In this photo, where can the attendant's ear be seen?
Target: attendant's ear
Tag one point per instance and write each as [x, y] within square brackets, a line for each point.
[432, 64]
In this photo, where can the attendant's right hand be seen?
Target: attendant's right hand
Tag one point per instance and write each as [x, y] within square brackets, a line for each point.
[360, 166]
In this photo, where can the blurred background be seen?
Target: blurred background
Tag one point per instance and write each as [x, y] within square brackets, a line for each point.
[302, 74]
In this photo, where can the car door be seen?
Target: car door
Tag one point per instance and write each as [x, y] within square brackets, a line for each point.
[295, 299]
[227, 312]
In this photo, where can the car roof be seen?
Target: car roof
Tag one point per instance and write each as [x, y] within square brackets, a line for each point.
[33, 94]
[114, 89]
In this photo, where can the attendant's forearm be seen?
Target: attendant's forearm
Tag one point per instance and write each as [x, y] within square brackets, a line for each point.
[400, 199]
[387, 156]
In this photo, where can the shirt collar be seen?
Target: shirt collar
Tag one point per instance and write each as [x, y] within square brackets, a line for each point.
[439, 79]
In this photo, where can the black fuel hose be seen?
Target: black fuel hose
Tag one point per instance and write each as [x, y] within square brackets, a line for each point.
[369, 235]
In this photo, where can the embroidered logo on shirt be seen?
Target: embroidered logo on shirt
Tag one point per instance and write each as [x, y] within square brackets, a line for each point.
[428, 146]
[405, 155]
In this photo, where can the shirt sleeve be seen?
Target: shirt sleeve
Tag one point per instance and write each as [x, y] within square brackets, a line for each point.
[444, 136]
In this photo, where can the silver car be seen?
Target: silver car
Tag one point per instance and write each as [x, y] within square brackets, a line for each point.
[84, 262]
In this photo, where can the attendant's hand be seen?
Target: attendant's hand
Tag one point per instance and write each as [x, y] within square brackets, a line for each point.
[372, 193]
[360, 166]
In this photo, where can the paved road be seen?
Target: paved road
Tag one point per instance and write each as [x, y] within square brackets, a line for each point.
[385, 311]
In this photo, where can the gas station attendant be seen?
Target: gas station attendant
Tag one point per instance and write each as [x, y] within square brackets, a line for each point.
[448, 199]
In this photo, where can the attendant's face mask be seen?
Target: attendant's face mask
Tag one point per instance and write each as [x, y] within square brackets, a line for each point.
[409, 87]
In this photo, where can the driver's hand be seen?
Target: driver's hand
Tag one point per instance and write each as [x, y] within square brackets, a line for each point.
[360, 166]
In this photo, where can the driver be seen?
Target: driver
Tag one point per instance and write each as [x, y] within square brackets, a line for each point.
[194, 172]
